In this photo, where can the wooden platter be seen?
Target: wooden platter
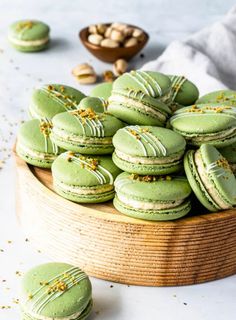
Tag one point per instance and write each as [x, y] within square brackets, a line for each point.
[111, 246]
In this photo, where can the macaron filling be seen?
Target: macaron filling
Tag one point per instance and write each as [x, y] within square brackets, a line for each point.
[28, 43]
[148, 205]
[149, 160]
[27, 152]
[208, 183]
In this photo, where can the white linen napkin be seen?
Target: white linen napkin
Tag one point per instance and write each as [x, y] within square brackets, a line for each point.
[207, 58]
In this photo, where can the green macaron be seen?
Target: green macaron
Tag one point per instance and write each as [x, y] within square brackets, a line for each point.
[29, 35]
[85, 131]
[55, 291]
[221, 96]
[229, 153]
[211, 178]
[137, 98]
[51, 99]
[152, 197]
[183, 92]
[148, 150]
[213, 124]
[93, 103]
[34, 145]
[84, 179]
[102, 90]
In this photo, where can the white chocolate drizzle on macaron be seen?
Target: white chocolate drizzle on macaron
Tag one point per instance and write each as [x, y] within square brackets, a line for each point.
[176, 84]
[45, 128]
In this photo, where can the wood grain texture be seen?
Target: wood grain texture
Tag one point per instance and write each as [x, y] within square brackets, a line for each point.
[112, 246]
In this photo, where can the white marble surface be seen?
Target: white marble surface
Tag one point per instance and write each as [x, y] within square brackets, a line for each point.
[19, 73]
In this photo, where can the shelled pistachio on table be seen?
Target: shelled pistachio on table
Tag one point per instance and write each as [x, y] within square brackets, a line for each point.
[85, 73]
[114, 35]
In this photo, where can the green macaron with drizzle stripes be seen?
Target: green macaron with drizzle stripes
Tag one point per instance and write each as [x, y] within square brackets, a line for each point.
[148, 150]
[34, 144]
[85, 131]
[157, 198]
[55, 290]
[51, 99]
[211, 178]
[84, 179]
[137, 98]
[213, 124]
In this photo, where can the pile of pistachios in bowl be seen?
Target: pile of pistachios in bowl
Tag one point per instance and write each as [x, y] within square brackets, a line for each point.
[115, 35]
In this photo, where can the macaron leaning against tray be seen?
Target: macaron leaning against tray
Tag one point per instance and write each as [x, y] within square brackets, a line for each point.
[221, 96]
[51, 99]
[55, 291]
[29, 35]
[34, 145]
[230, 154]
[102, 90]
[148, 150]
[183, 92]
[137, 98]
[211, 178]
[152, 197]
[85, 131]
[94, 103]
[213, 124]
[84, 179]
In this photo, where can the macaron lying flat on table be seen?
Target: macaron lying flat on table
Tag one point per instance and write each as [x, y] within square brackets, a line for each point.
[34, 145]
[55, 291]
[152, 197]
[51, 99]
[85, 179]
[137, 98]
[29, 35]
[183, 92]
[148, 150]
[213, 124]
[85, 131]
[220, 96]
[211, 178]
[230, 154]
[102, 90]
[93, 103]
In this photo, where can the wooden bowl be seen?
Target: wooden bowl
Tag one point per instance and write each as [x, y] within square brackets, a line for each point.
[112, 54]
[112, 246]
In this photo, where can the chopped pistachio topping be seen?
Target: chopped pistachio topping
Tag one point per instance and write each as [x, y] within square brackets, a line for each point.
[25, 25]
[86, 114]
[45, 128]
[149, 178]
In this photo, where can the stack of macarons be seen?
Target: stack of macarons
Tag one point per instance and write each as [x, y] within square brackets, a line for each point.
[148, 125]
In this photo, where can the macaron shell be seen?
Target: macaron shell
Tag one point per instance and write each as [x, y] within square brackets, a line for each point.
[29, 30]
[229, 153]
[162, 215]
[97, 104]
[70, 302]
[32, 48]
[133, 80]
[174, 188]
[102, 90]
[52, 99]
[220, 96]
[72, 123]
[165, 141]
[203, 121]
[73, 173]
[187, 94]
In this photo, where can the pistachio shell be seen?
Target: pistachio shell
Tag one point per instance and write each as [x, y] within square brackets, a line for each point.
[130, 42]
[109, 43]
[95, 39]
